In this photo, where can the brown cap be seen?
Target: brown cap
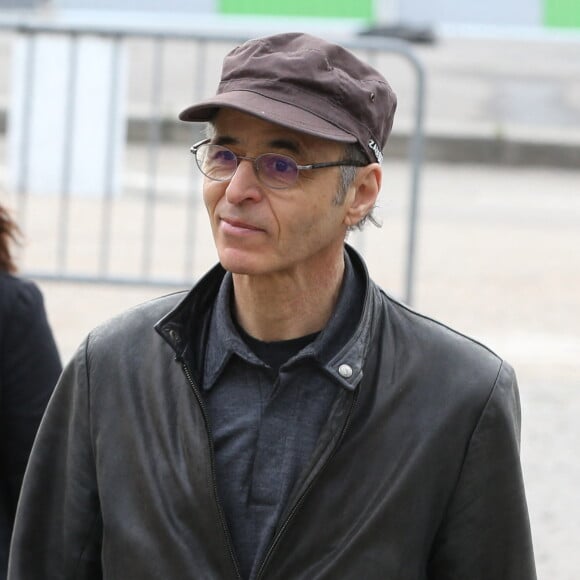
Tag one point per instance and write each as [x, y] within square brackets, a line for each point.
[307, 84]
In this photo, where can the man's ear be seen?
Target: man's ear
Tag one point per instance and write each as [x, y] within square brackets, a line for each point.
[363, 193]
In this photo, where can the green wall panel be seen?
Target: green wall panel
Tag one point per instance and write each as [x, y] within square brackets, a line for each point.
[562, 13]
[337, 9]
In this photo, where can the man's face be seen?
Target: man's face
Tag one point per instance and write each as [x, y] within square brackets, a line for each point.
[261, 231]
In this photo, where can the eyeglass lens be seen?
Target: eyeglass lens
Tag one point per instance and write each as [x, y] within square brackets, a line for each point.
[220, 164]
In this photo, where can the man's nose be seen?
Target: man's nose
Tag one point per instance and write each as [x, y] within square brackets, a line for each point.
[244, 184]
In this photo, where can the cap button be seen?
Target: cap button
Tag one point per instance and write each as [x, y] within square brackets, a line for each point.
[345, 371]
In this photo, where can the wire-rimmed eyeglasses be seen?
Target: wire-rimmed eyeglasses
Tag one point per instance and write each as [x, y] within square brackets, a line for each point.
[273, 170]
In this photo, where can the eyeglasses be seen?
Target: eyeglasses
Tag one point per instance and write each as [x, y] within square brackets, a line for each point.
[273, 170]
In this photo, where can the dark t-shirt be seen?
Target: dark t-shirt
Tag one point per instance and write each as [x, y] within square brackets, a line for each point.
[276, 353]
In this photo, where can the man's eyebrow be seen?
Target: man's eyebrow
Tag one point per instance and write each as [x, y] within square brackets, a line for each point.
[224, 140]
[287, 145]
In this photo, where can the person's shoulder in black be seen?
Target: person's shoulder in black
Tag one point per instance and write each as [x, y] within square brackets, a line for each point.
[29, 369]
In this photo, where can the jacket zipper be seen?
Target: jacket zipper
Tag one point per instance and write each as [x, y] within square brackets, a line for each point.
[278, 537]
[195, 390]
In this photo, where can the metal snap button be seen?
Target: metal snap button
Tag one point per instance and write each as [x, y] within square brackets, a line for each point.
[345, 371]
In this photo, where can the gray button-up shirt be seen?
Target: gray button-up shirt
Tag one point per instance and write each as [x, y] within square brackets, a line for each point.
[265, 425]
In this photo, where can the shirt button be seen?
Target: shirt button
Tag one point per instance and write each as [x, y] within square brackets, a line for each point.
[345, 371]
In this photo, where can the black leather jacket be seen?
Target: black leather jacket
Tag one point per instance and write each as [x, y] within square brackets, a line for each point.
[416, 475]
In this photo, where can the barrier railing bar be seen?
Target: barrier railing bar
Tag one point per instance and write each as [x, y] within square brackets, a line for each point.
[416, 153]
[153, 155]
[114, 280]
[23, 158]
[110, 154]
[193, 197]
[64, 198]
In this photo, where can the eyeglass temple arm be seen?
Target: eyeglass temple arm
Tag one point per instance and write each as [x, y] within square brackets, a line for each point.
[193, 149]
[333, 164]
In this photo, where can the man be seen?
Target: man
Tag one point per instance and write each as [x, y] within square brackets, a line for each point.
[285, 419]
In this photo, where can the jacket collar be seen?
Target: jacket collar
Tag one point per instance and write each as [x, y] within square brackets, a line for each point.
[187, 325]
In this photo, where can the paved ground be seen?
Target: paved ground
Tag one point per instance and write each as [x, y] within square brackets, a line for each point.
[498, 258]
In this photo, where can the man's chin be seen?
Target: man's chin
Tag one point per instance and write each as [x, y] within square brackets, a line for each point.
[241, 262]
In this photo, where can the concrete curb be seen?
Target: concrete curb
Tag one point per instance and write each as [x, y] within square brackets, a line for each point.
[486, 150]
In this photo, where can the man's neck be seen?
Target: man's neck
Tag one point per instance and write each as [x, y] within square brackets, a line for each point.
[288, 305]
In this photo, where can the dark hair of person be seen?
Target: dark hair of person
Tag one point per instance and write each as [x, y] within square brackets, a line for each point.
[9, 234]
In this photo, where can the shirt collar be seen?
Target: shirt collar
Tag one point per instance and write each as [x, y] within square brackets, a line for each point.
[224, 339]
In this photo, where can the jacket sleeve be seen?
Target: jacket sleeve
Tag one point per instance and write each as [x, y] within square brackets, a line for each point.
[57, 533]
[486, 533]
[29, 369]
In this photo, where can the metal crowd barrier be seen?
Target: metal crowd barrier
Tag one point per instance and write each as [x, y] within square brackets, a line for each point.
[203, 43]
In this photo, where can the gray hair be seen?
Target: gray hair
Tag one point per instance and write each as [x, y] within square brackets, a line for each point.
[348, 173]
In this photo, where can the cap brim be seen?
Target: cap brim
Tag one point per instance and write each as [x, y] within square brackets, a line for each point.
[268, 109]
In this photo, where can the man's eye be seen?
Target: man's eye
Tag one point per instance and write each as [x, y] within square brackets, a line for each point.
[282, 165]
[277, 164]
[224, 156]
